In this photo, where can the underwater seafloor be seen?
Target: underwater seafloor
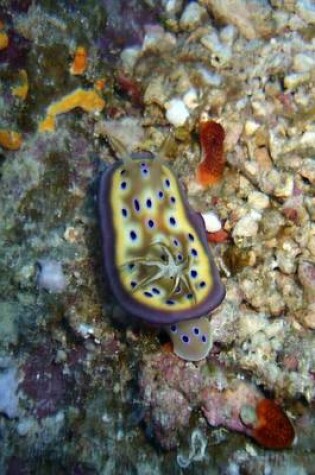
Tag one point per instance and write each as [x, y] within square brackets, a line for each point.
[83, 389]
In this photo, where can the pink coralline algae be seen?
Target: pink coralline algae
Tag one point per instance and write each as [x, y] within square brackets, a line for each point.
[166, 421]
[224, 408]
[44, 380]
[165, 381]
[171, 389]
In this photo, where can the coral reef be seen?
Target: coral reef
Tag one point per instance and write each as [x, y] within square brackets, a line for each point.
[74, 366]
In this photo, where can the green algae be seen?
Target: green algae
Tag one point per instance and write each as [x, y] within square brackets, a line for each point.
[51, 203]
[52, 79]
[8, 324]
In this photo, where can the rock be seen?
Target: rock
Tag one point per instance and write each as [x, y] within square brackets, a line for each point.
[221, 54]
[129, 57]
[210, 78]
[127, 131]
[247, 226]
[172, 7]
[176, 112]
[228, 35]
[156, 40]
[306, 274]
[308, 139]
[293, 80]
[306, 10]
[192, 16]
[303, 62]
[155, 92]
[308, 318]
[251, 126]
[191, 98]
[252, 18]
[286, 257]
[258, 200]
[9, 400]
[277, 183]
[307, 169]
[212, 222]
[25, 426]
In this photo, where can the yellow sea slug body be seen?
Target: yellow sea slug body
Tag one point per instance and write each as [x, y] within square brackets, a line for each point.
[156, 253]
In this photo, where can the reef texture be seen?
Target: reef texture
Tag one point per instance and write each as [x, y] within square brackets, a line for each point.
[73, 366]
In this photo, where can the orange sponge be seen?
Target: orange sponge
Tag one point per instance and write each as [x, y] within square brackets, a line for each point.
[80, 61]
[10, 140]
[273, 429]
[210, 170]
[87, 99]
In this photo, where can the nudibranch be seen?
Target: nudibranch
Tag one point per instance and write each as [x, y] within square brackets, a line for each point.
[156, 254]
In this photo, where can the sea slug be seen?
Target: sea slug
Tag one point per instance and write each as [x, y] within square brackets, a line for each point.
[156, 254]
